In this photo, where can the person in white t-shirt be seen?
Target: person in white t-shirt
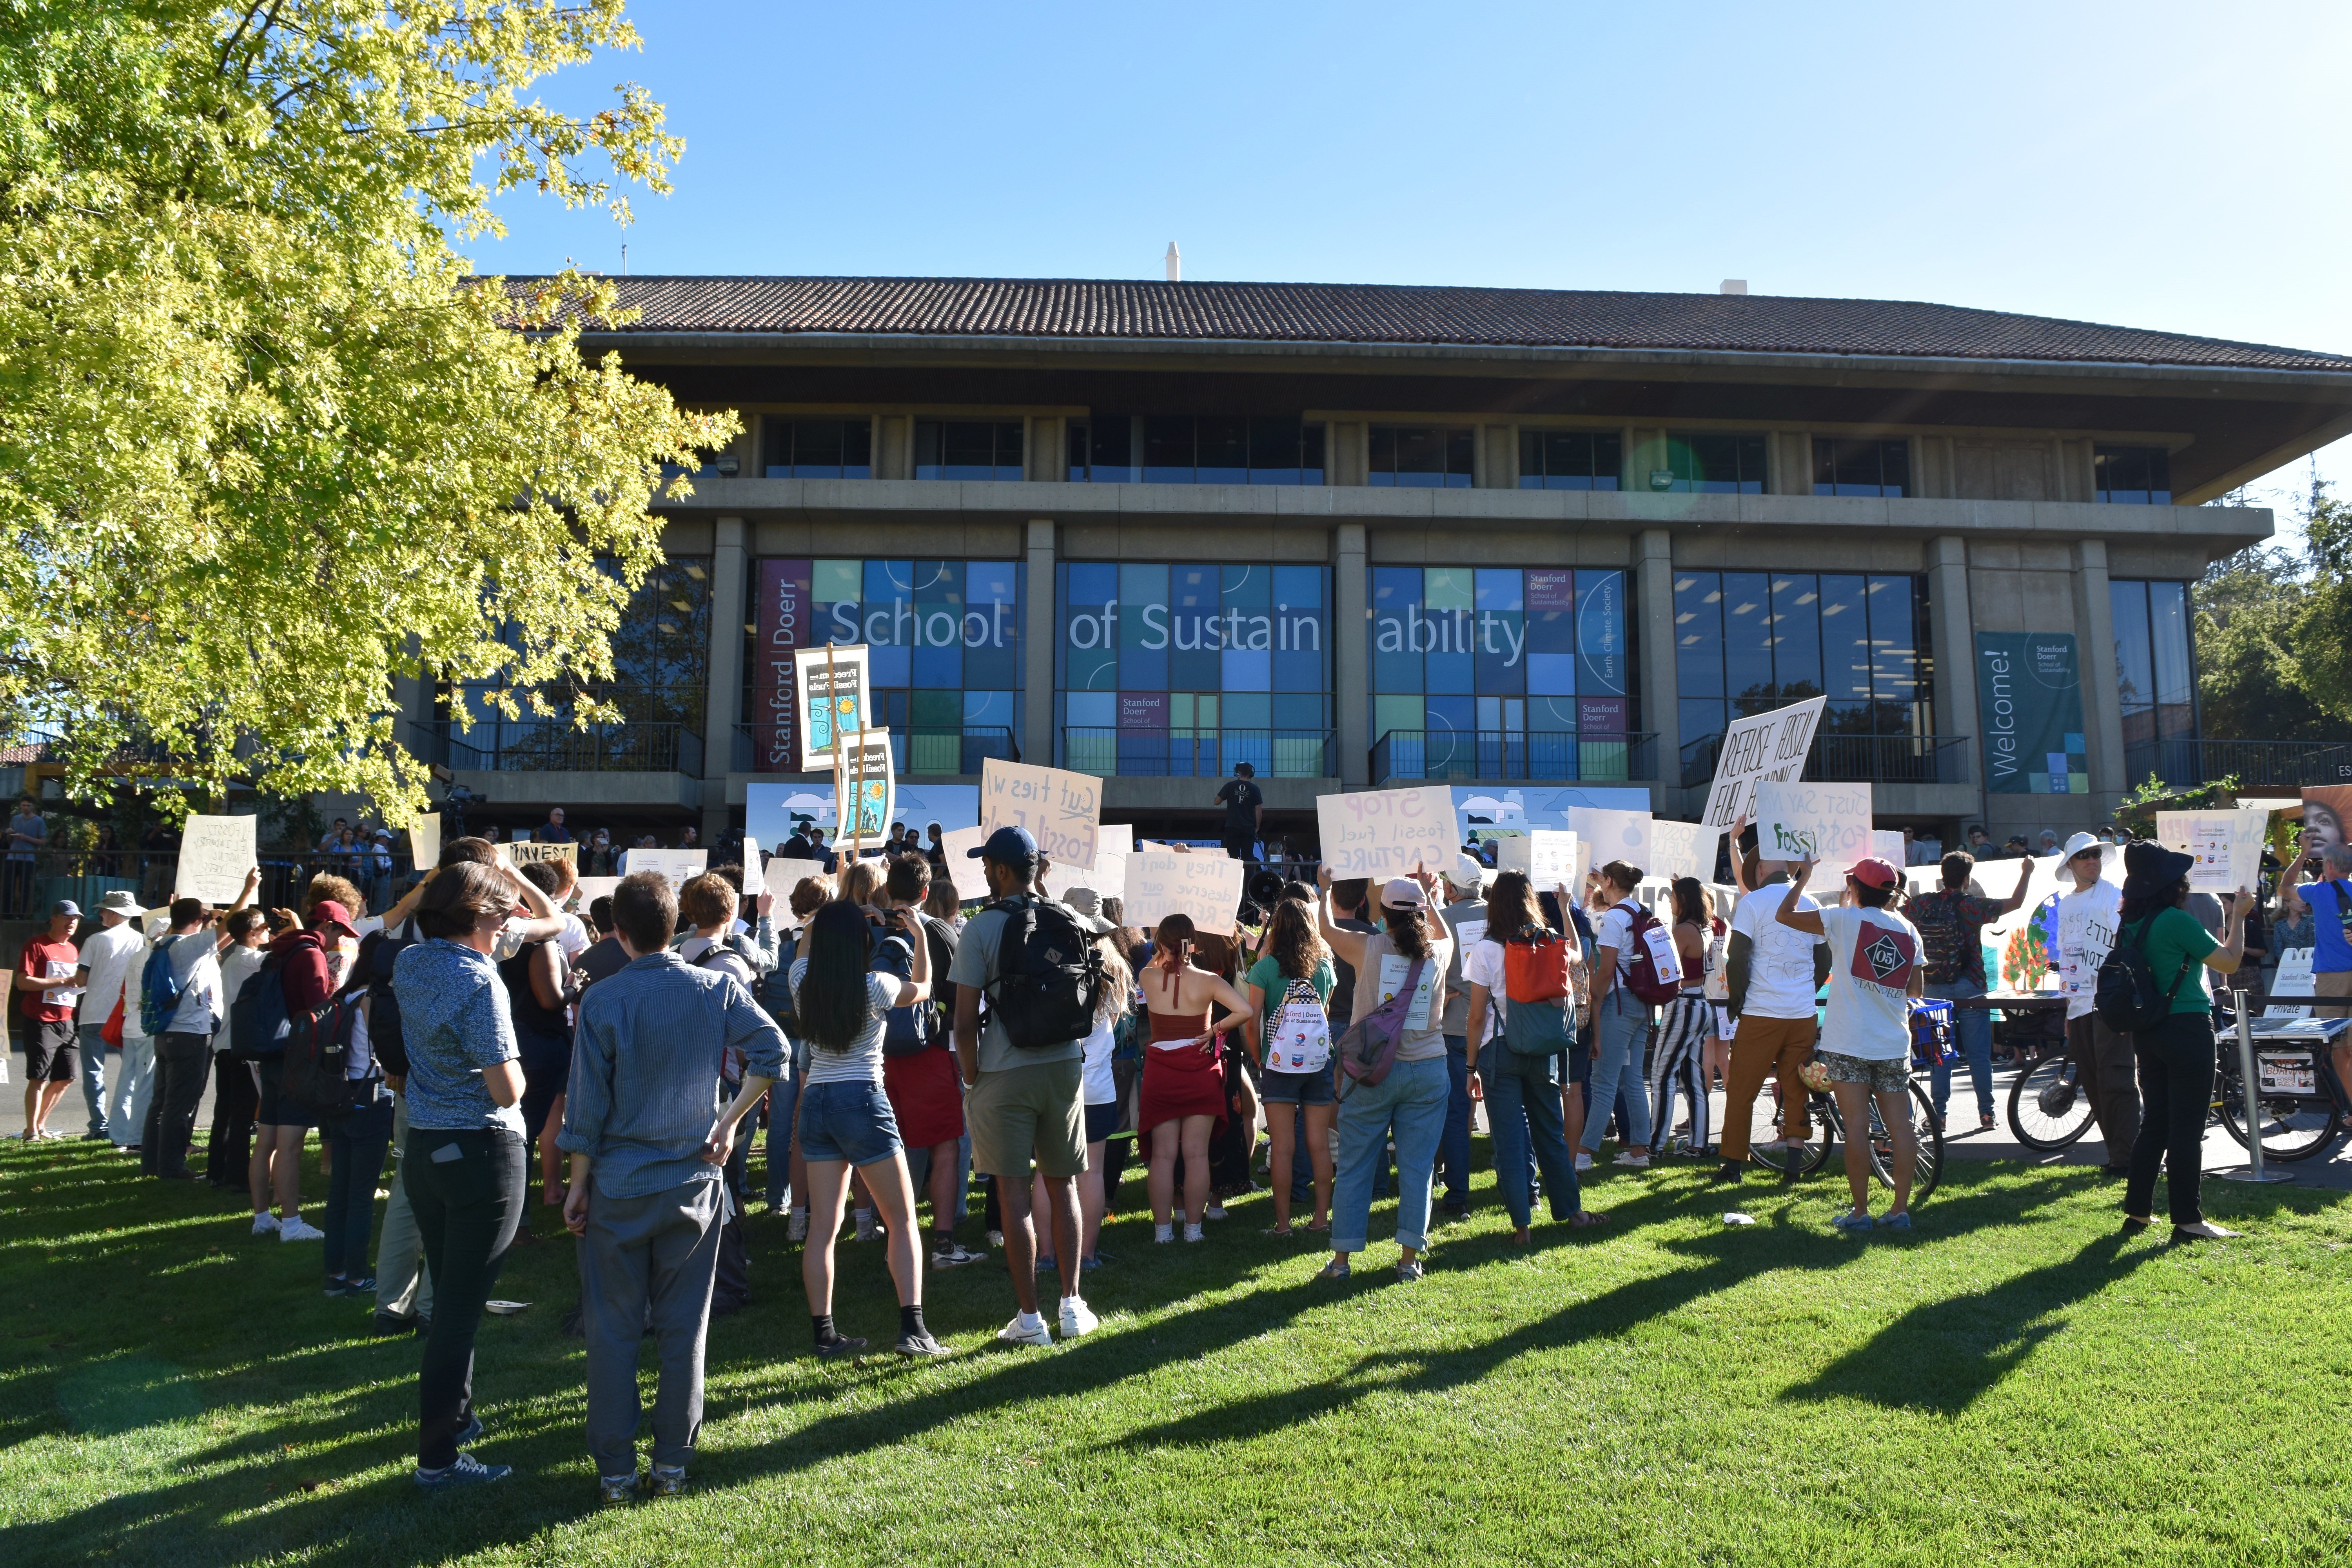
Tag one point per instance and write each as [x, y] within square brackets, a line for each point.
[2088, 916]
[1876, 968]
[1771, 972]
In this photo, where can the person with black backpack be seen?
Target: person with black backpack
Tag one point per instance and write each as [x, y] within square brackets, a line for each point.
[1036, 970]
[2160, 955]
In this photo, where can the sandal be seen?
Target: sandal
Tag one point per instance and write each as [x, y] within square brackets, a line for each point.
[1319, 1226]
[1335, 1269]
[1281, 1230]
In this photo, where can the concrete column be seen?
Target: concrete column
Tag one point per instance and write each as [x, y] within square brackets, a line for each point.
[1498, 457]
[1037, 648]
[1954, 644]
[2095, 622]
[1351, 652]
[729, 556]
[1661, 700]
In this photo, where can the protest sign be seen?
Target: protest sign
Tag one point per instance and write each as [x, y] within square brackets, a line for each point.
[216, 852]
[832, 686]
[866, 776]
[1886, 843]
[1117, 837]
[971, 881]
[1607, 836]
[588, 889]
[1109, 876]
[2022, 947]
[1547, 855]
[755, 871]
[679, 866]
[2227, 845]
[1387, 832]
[1062, 811]
[782, 875]
[521, 852]
[424, 840]
[1768, 746]
[1208, 887]
[1827, 822]
[1682, 850]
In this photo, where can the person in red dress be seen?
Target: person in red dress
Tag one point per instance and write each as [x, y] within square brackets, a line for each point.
[1183, 1094]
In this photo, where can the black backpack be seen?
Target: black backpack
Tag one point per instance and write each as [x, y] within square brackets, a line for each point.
[316, 1057]
[258, 1024]
[372, 975]
[1048, 974]
[911, 1030]
[2126, 999]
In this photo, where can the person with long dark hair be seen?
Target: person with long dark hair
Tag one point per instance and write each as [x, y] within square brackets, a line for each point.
[1679, 1063]
[1289, 988]
[842, 1002]
[1184, 1076]
[1409, 1102]
[2176, 1058]
[1522, 1093]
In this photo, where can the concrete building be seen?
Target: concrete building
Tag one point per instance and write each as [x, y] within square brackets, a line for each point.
[1359, 535]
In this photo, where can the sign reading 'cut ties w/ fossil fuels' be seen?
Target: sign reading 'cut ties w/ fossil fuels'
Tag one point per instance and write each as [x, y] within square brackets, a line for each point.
[1062, 810]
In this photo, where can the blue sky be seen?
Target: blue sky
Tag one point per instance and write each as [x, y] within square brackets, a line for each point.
[2158, 165]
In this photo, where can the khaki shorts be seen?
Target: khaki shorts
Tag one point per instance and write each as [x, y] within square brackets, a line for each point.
[1028, 1111]
[2336, 985]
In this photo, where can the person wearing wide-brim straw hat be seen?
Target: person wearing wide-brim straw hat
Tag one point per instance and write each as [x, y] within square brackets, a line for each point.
[2176, 1058]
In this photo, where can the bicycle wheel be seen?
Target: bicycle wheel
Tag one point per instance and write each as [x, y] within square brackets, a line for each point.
[1764, 1129]
[2293, 1128]
[1927, 1167]
[2048, 1109]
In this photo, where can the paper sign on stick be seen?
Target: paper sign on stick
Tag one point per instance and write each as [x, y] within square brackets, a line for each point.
[679, 866]
[1609, 835]
[1682, 850]
[1108, 878]
[1387, 832]
[424, 840]
[832, 683]
[971, 881]
[1767, 746]
[1828, 823]
[1547, 855]
[865, 772]
[2226, 845]
[1208, 887]
[216, 852]
[1062, 811]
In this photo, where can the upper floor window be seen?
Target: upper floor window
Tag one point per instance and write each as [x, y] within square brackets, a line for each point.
[1864, 468]
[1712, 463]
[706, 464]
[816, 449]
[1187, 449]
[968, 449]
[1427, 456]
[1570, 459]
[2132, 475]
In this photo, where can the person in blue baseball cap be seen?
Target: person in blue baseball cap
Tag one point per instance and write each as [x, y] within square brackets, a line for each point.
[1023, 1102]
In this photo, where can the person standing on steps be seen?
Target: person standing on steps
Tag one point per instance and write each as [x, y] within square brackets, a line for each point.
[1245, 805]
[2087, 915]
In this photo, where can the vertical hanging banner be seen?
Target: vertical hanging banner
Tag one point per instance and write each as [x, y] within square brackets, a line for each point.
[782, 624]
[1386, 832]
[1062, 811]
[1826, 822]
[1766, 746]
[2030, 703]
[833, 685]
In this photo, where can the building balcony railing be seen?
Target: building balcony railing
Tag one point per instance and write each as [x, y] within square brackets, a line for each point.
[1594, 757]
[1855, 759]
[2255, 764]
[1199, 752]
[558, 746]
[768, 749]
[30, 888]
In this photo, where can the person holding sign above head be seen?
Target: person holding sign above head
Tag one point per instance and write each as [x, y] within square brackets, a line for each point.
[1771, 973]
[1951, 921]
[2176, 1057]
[1395, 1064]
[2103, 1058]
[1874, 971]
[1183, 1075]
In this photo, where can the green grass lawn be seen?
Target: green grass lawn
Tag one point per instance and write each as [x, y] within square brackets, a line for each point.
[2013, 1384]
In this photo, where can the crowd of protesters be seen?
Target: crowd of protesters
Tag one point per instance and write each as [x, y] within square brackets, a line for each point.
[894, 1044]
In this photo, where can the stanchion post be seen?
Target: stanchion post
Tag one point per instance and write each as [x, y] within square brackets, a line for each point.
[2250, 1101]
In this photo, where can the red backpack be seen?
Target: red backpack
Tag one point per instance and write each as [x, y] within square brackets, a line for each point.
[1655, 973]
[1534, 966]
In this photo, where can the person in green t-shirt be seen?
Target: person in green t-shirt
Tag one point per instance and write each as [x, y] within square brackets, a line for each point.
[2176, 1058]
[1294, 1054]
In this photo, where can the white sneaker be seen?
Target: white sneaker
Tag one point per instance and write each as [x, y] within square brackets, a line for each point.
[299, 1229]
[264, 1224]
[996, 1238]
[1192, 1233]
[1212, 1210]
[1637, 1161]
[1012, 1333]
[1078, 1318]
[796, 1226]
[866, 1226]
[1583, 1160]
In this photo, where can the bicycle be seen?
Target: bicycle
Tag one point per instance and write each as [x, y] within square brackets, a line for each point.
[2050, 1107]
[1927, 1167]
[2299, 1102]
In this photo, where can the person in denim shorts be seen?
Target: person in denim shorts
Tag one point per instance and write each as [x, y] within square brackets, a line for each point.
[1876, 966]
[840, 1001]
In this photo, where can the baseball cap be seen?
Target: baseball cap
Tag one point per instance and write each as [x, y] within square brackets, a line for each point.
[1467, 871]
[65, 907]
[327, 913]
[1403, 893]
[1007, 846]
[1873, 872]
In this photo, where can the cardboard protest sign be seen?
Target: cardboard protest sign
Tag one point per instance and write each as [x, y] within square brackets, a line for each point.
[1609, 835]
[755, 871]
[1117, 837]
[971, 881]
[832, 686]
[1768, 746]
[1826, 822]
[1062, 811]
[1886, 843]
[1208, 887]
[2022, 948]
[588, 889]
[1109, 876]
[679, 866]
[1547, 855]
[1682, 850]
[521, 852]
[871, 789]
[782, 875]
[216, 852]
[1387, 832]
[2226, 845]
[424, 840]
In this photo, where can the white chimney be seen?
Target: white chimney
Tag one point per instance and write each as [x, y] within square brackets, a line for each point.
[1175, 264]
[1733, 286]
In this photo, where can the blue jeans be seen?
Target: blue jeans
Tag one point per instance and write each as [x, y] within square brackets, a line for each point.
[1524, 1110]
[1411, 1102]
[1972, 1032]
[358, 1140]
[783, 1110]
[93, 1073]
[1455, 1147]
[1624, 1032]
